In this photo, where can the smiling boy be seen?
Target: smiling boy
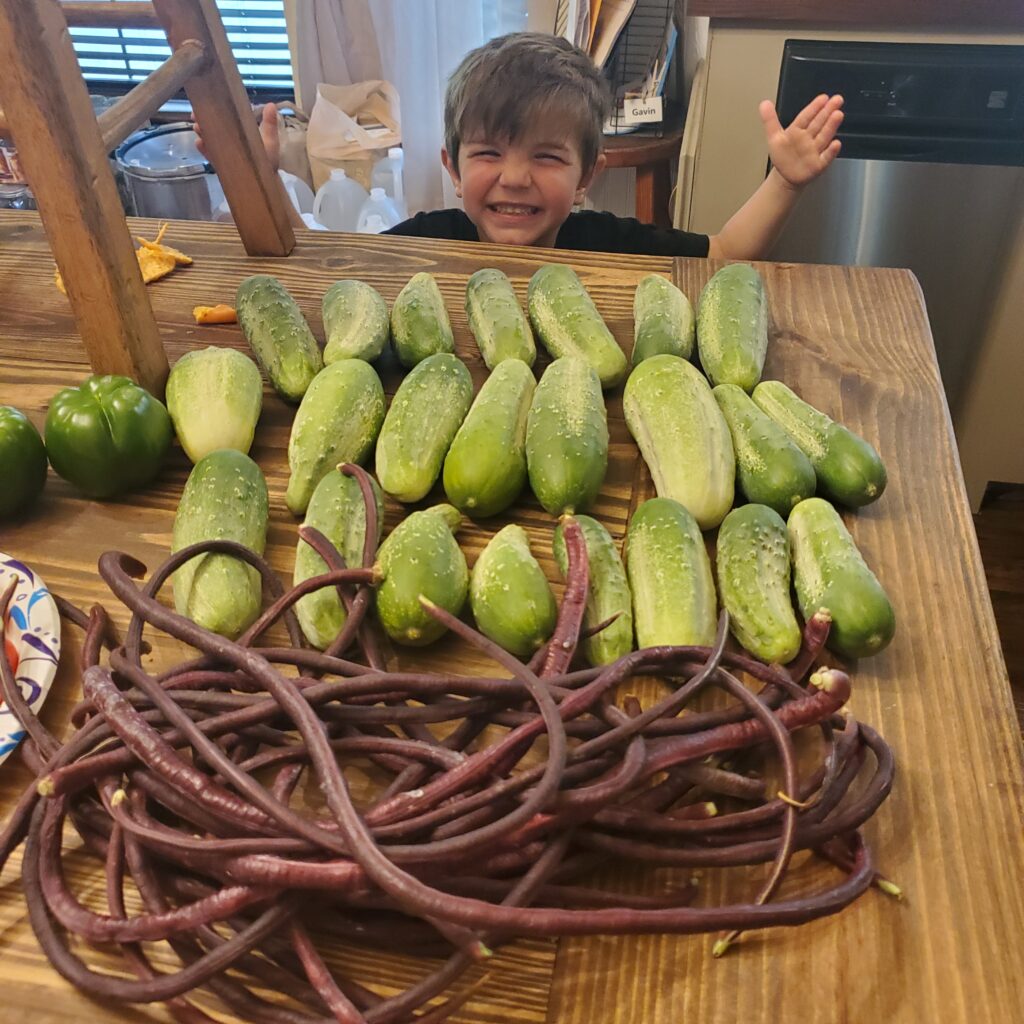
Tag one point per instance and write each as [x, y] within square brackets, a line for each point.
[523, 123]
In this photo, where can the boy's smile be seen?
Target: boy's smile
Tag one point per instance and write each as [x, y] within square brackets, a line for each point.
[519, 193]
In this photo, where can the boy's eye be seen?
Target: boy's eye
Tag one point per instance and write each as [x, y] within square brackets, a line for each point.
[484, 152]
[550, 156]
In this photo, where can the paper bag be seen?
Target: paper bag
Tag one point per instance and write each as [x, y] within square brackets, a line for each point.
[352, 126]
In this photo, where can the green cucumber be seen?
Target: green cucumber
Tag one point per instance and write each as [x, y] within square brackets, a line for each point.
[419, 321]
[214, 396]
[421, 557]
[732, 326]
[485, 468]
[425, 415]
[608, 594]
[682, 436]
[753, 582]
[566, 320]
[567, 437]
[670, 578]
[829, 572]
[849, 470]
[278, 334]
[338, 421]
[225, 498]
[356, 322]
[770, 469]
[663, 322]
[497, 320]
[510, 596]
[337, 510]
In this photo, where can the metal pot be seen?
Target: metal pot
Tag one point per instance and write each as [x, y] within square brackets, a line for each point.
[165, 175]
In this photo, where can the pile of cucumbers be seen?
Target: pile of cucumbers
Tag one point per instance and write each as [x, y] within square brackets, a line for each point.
[701, 441]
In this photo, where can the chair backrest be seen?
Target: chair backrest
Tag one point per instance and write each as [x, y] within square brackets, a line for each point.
[63, 150]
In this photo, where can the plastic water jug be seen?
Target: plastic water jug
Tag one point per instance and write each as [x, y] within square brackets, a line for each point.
[338, 201]
[387, 174]
[377, 210]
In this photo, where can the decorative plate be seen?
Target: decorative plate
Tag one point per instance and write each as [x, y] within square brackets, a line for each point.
[31, 642]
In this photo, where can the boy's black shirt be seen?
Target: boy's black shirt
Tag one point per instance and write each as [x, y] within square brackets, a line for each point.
[587, 230]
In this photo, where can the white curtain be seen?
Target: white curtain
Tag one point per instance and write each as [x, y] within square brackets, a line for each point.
[332, 41]
[414, 44]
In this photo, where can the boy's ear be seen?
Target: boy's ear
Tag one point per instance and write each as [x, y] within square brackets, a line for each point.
[450, 167]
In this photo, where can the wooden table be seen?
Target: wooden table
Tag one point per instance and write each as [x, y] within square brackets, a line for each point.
[856, 342]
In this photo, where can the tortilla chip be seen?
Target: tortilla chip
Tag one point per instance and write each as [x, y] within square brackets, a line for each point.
[220, 314]
[154, 265]
[155, 260]
[179, 256]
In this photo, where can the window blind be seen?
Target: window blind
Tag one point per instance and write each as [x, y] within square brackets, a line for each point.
[256, 29]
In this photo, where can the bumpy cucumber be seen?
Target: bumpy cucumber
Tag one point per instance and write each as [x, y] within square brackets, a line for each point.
[849, 470]
[278, 334]
[420, 556]
[485, 468]
[338, 512]
[214, 396]
[225, 498]
[829, 572]
[356, 323]
[419, 321]
[510, 596]
[425, 415]
[566, 320]
[753, 582]
[663, 322]
[682, 436]
[670, 578]
[497, 320]
[567, 437]
[608, 594]
[732, 326]
[770, 468]
[338, 421]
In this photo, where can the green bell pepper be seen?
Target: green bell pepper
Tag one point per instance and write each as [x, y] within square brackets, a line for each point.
[107, 436]
[23, 459]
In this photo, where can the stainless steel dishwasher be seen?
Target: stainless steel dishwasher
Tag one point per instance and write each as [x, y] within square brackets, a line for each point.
[930, 177]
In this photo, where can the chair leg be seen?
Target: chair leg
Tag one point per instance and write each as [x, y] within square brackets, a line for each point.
[51, 118]
[218, 97]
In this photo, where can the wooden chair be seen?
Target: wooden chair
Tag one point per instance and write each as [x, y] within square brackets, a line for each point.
[63, 149]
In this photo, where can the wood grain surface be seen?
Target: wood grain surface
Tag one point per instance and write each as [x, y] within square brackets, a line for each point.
[853, 341]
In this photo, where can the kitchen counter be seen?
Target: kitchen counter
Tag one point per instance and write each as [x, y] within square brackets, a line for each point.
[853, 341]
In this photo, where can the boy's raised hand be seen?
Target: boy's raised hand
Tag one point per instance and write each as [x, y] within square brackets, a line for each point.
[268, 133]
[803, 150]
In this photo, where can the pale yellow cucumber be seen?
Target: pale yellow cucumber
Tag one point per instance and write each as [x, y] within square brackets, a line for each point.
[682, 436]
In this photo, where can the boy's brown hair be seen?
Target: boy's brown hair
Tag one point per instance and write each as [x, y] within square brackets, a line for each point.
[508, 85]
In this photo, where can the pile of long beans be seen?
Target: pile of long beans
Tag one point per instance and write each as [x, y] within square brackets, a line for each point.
[184, 783]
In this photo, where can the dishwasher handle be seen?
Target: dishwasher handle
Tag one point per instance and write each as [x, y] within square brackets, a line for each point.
[932, 149]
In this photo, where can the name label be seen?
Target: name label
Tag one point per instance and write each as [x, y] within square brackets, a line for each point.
[642, 111]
